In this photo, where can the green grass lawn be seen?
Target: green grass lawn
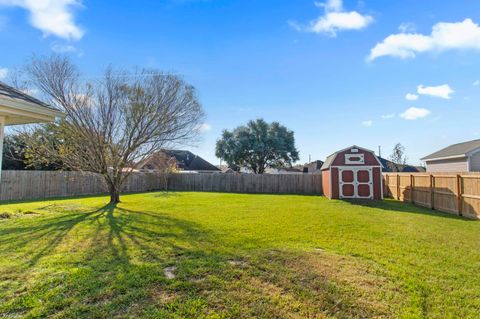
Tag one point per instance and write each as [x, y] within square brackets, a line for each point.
[236, 256]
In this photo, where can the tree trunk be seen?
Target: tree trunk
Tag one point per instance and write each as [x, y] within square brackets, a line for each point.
[114, 196]
[114, 191]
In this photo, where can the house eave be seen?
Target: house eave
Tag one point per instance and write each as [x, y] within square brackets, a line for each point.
[444, 158]
[22, 112]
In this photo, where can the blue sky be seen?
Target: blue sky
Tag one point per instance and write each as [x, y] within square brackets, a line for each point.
[337, 73]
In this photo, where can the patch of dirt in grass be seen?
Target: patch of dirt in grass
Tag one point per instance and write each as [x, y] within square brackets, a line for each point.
[366, 285]
[285, 284]
[342, 286]
[161, 296]
[169, 272]
[63, 207]
[5, 215]
[237, 263]
[29, 212]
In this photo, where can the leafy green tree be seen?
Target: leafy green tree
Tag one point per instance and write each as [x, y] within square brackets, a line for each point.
[18, 156]
[257, 146]
[13, 153]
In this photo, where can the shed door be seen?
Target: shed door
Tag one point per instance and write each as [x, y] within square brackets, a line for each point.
[356, 182]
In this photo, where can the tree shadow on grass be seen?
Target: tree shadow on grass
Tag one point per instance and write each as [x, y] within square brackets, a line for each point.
[48, 231]
[110, 262]
[402, 207]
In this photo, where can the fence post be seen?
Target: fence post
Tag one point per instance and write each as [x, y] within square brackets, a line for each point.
[386, 186]
[432, 191]
[459, 195]
[398, 186]
[412, 184]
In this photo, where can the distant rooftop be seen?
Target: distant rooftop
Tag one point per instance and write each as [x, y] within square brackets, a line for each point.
[455, 150]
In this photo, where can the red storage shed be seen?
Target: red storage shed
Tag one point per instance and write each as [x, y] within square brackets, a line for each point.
[353, 172]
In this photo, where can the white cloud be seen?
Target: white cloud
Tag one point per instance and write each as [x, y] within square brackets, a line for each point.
[63, 48]
[411, 97]
[414, 113]
[203, 128]
[367, 123]
[66, 48]
[442, 91]
[388, 116]
[335, 19]
[52, 17]
[476, 83]
[407, 27]
[3, 73]
[463, 35]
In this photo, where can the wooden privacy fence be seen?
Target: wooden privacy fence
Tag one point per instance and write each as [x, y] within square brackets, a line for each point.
[307, 184]
[453, 193]
[26, 185]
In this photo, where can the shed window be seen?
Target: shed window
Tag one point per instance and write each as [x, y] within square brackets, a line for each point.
[354, 159]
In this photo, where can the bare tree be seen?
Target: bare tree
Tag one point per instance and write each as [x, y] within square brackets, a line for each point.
[111, 122]
[398, 154]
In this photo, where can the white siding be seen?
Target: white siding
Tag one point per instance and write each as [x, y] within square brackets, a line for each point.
[475, 162]
[451, 165]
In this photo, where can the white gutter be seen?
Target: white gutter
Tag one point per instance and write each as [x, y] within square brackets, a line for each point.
[30, 107]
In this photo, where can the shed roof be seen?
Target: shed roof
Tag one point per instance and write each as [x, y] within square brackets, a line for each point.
[331, 158]
[454, 151]
[329, 161]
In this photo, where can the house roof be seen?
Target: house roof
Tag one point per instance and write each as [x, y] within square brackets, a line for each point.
[20, 108]
[12, 93]
[389, 166]
[191, 162]
[454, 151]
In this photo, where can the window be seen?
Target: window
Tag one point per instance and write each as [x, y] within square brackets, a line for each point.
[354, 159]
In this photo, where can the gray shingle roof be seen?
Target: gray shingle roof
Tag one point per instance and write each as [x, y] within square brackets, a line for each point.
[190, 161]
[455, 150]
[329, 161]
[12, 93]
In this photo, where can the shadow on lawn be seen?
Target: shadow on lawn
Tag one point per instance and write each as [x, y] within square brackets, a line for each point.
[110, 262]
[398, 206]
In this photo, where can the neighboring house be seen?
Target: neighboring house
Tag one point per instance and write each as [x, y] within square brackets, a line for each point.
[389, 166]
[313, 167]
[461, 157]
[16, 108]
[182, 161]
[225, 169]
[283, 170]
[310, 168]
